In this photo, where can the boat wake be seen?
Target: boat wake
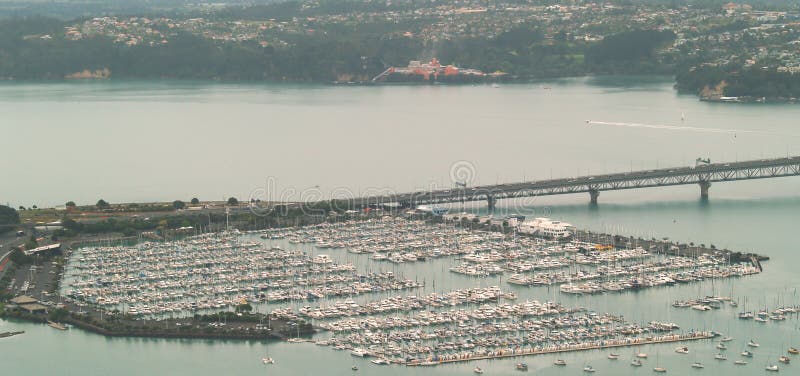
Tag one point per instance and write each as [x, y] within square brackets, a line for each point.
[733, 132]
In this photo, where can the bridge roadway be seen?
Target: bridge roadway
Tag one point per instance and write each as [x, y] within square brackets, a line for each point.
[702, 174]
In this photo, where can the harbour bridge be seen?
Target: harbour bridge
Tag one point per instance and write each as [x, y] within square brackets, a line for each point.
[702, 174]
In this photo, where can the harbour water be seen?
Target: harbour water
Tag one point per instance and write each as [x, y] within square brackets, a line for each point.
[529, 130]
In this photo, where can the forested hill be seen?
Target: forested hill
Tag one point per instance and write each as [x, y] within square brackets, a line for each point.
[36, 48]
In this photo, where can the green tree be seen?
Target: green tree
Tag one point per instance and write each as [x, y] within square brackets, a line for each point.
[102, 204]
[8, 216]
[31, 243]
[19, 258]
[178, 204]
[58, 314]
[70, 204]
[246, 308]
[195, 201]
[233, 201]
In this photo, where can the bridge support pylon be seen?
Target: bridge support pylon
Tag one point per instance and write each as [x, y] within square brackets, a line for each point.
[704, 185]
[492, 202]
[593, 194]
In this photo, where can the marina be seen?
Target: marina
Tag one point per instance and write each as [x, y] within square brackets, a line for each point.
[354, 300]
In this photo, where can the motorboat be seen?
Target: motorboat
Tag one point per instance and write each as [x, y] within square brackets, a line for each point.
[698, 365]
[560, 362]
[588, 369]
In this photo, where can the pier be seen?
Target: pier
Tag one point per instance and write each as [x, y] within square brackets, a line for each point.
[600, 345]
[664, 246]
[702, 174]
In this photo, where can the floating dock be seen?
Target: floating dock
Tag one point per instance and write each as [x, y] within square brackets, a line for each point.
[562, 349]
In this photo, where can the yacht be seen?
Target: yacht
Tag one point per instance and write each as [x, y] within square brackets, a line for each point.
[380, 361]
[613, 356]
[682, 350]
[698, 365]
[478, 370]
[636, 363]
[720, 356]
[268, 360]
[560, 362]
[726, 339]
[740, 362]
[588, 369]
[772, 368]
[641, 355]
[747, 353]
[522, 366]
[784, 359]
[722, 346]
[359, 352]
[660, 370]
[354, 367]
[752, 343]
[56, 325]
[793, 350]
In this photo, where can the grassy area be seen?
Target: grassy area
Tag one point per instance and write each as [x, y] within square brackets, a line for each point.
[39, 216]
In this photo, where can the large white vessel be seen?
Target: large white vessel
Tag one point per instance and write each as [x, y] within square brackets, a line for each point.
[546, 228]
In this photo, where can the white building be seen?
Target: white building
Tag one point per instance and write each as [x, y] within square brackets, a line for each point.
[547, 228]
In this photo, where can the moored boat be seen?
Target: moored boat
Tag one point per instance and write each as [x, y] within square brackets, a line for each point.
[56, 325]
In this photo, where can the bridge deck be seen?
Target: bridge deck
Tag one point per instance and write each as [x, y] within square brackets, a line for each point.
[703, 174]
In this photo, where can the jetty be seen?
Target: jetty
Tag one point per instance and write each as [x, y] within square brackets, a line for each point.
[10, 334]
[599, 345]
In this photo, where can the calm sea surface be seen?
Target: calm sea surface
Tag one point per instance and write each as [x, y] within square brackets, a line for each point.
[163, 141]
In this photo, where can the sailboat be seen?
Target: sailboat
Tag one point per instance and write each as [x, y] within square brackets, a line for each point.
[658, 368]
[772, 367]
